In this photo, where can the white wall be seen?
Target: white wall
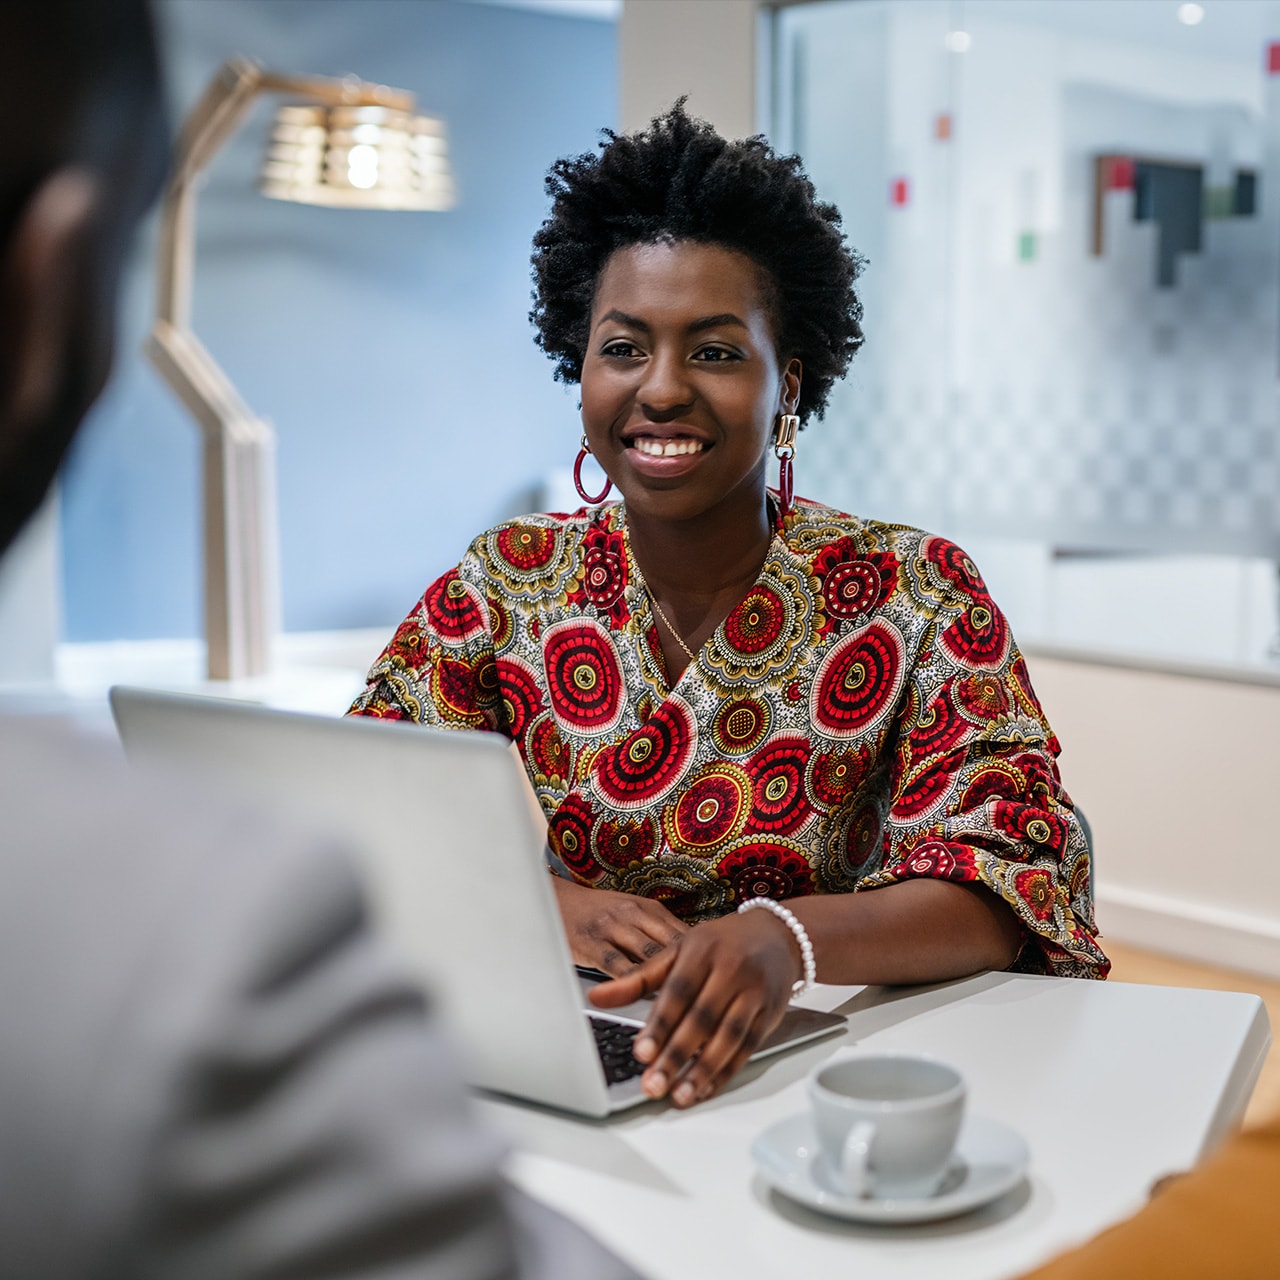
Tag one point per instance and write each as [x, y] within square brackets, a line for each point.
[703, 48]
[1179, 777]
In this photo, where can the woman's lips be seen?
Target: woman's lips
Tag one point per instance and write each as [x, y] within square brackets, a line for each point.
[666, 456]
[652, 448]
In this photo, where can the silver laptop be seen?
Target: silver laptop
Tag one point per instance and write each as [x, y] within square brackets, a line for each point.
[452, 844]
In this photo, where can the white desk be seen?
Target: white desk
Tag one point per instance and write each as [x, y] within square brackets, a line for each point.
[1112, 1085]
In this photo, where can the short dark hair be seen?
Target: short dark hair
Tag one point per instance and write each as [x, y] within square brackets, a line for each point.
[680, 180]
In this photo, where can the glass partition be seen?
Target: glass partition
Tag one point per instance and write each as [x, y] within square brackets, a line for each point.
[1071, 215]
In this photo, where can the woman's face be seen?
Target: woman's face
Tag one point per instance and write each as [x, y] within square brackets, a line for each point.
[682, 383]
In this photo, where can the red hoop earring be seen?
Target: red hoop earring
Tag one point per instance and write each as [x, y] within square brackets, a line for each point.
[577, 479]
[784, 446]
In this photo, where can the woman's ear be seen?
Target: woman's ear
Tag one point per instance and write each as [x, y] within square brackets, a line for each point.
[791, 374]
[42, 302]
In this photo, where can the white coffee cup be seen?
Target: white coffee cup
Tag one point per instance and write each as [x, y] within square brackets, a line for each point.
[887, 1125]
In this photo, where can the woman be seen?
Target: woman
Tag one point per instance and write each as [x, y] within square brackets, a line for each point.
[724, 696]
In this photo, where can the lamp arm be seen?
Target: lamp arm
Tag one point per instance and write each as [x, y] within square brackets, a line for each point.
[212, 121]
[209, 395]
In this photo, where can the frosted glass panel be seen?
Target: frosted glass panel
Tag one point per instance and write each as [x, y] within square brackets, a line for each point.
[1071, 212]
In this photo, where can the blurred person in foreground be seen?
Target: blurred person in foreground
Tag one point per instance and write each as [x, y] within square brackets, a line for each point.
[206, 1067]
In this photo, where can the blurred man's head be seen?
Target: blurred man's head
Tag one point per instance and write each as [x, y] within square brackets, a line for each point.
[83, 157]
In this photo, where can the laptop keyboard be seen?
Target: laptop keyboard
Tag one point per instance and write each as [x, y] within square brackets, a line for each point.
[613, 1042]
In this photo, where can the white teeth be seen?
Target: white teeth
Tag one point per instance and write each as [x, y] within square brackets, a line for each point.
[666, 448]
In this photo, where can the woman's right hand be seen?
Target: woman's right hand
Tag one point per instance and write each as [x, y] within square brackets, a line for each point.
[614, 932]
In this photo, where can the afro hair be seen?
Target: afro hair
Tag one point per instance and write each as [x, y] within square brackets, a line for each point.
[679, 180]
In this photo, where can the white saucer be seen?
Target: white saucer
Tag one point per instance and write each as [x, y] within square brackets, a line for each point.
[990, 1159]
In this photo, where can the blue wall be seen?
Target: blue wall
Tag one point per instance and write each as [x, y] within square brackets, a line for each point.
[391, 350]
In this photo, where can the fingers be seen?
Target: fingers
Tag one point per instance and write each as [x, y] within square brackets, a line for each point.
[726, 989]
[653, 919]
[708, 1085]
[623, 947]
[636, 983]
[612, 931]
[686, 1018]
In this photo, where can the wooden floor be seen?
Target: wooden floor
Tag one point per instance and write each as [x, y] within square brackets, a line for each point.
[1128, 964]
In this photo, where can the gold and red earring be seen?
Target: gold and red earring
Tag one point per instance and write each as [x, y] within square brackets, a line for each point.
[784, 446]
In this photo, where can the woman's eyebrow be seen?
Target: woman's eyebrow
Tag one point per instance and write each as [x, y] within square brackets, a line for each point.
[696, 326]
[716, 322]
[621, 317]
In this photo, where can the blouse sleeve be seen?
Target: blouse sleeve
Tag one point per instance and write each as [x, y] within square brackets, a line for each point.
[974, 790]
[439, 667]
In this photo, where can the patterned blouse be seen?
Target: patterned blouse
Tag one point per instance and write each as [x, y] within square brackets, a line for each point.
[861, 717]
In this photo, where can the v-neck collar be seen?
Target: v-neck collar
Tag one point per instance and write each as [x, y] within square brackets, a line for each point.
[652, 659]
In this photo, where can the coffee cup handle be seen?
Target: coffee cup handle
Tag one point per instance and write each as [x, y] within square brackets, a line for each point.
[854, 1158]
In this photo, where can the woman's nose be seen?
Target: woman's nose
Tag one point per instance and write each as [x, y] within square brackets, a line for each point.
[666, 390]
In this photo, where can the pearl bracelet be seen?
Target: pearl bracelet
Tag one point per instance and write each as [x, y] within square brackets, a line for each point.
[799, 987]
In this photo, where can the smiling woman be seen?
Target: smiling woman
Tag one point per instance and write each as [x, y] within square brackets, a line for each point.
[723, 697]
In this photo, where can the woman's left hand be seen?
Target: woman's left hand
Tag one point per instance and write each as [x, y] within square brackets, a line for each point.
[720, 990]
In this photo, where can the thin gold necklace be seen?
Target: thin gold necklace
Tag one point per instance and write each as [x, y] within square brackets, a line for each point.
[653, 600]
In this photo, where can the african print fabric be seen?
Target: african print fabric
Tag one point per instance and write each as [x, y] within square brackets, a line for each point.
[862, 716]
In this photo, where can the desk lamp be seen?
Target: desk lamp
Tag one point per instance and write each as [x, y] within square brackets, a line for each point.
[346, 144]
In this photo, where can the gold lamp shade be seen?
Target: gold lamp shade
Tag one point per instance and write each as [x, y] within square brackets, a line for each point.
[358, 157]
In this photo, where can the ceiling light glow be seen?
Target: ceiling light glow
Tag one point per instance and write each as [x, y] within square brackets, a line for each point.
[959, 41]
[1191, 15]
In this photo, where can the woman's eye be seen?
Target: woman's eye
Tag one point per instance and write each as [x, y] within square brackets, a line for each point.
[621, 350]
[715, 355]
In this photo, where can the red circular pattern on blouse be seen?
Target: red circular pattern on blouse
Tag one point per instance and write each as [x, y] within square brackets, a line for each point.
[486, 677]
[979, 637]
[1037, 771]
[455, 686]
[604, 567]
[757, 622]
[584, 678]
[923, 793]
[779, 803]
[1035, 888]
[858, 682]
[500, 625]
[982, 697]
[712, 809]
[621, 843]
[647, 764]
[763, 869]
[941, 859]
[409, 643]
[521, 696]
[1031, 824]
[569, 833]
[547, 750]
[997, 779]
[859, 586]
[955, 566]
[452, 609]
[939, 728]
[526, 547]
[740, 726]
[833, 776]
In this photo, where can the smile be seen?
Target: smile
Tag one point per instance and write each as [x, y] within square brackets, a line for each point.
[666, 448]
